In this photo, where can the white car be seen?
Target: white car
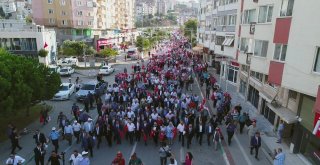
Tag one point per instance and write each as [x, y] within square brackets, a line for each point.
[70, 61]
[66, 71]
[106, 70]
[65, 91]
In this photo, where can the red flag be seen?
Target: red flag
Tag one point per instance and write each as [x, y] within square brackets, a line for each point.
[45, 45]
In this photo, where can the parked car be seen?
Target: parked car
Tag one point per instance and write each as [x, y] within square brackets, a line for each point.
[93, 87]
[54, 68]
[65, 91]
[106, 70]
[69, 61]
[66, 71]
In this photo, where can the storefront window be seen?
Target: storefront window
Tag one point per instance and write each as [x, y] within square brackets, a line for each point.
[243, 87]
[253, 96]
[232, 73]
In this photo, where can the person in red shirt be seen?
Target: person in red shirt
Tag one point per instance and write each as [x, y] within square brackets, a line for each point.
[119, 159]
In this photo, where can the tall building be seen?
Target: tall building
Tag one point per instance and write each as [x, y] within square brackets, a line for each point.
[145, 9]
[83, 19]
[162, 7]
[16, 9]
[216, 34]
[279, 56]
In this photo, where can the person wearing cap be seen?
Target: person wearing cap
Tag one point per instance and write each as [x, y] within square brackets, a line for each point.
[134, 160]
[76, 130]
[118, 160]
[54, 137]
[255, 144]
[15, 159]
[75, 158]
[84, 160]
[88, 126]
[39, 154]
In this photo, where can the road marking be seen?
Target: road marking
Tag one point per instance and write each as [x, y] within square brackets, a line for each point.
[181, 155]
[133, 149]
[243, 151]
[224, 154]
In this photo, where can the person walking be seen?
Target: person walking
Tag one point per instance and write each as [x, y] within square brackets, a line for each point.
[131, 129]
[39, 137]
[54, 159]
[88, 126]
[84, 160]
[189, 134]
[231, 128]
[75, 110]
[279, 157]
[188, 159]
[15, 141]
[39, 154]
[217, 137]
[76, 130]
[242, 121]
[134, 160]
[15, 160]
[181, 130]
[209, 132]
[97, 133]
[54, 137]
[164, 152]
[280, 131]
[118, 160]
[252, 129]
[68, 132]
[88, 143]
[75, 157]
[255, 144]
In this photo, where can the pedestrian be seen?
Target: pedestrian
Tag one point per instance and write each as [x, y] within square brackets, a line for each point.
[108, 133]
[164, 153]
[118, 160]
[88, 143]
[170, 133]
[54, 158]
[279, 157]
[88, 126]
[61, 121]
[134, 160]
[75, 111]
[189, 134]
[39, 154]
[75, 158]
[97, 133]
[84, 160]
[217, 137]
[252, 129]
[280, 131]
[86, 102]
[91, 99]
[188, 159]
[231, 128]
[15, 160]
[76, 130]
[208, 89]
[200, 129]
[39, 137]
[209, 132]
[54, 137]
[99, 106]
[68, 132]
[131, 129]
[255, 144]
[181, 130]
[242, 121]
[15, 140]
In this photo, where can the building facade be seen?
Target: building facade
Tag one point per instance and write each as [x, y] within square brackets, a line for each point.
[280, 66]
[216, 34]
[162, 7]
[27, 39]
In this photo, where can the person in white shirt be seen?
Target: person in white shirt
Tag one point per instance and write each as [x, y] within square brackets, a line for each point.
[74, 158]
[181, 129]
[154, 115]
[15, 160]
[107, 98]
[88, 126]
[131, 128]
[130, 114]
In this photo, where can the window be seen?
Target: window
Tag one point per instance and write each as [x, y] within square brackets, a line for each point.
[79, 13]
[213, 37]
[215, 22]
[280, 52]
[249, 16]
[89, 14]
[265, 14]
[80, 22]
[244, 44]
[229, 41]
[90, 23]
[244, 68]
[232, 73]
[232, 19]
[64, 22]
[50, 11]
[50, 1]
[292, 94]
[317, 63]
[63, 13]
[62, 2]
[286, 8]
[89, 4]
[256, 75]
[223, 20]
[51, 20]
[260, 48]
[219, 40]
[79, 3]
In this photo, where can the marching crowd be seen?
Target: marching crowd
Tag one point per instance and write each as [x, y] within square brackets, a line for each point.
[155, 105]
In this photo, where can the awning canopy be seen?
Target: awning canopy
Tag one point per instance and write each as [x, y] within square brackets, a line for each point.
[284, 113]
[198, 48]
[228, 41]
[265, 96]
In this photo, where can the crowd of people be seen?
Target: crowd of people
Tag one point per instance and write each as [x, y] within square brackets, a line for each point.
[153, 104]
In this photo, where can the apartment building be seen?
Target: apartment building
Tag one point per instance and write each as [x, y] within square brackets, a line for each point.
[27, 39]
[145, 9]
[162, 7]
[216, 34]
[279, 55]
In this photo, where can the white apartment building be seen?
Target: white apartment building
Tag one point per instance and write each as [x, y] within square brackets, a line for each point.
[145, 9]
[27, 39]
[279, 56]
[162, 7]
[216, 34]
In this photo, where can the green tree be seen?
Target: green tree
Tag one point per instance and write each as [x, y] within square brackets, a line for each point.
[90, 51]
[43, 53]
[28, 19]
[21, 87]
[73, 48]
[190, 30]
[108, 52]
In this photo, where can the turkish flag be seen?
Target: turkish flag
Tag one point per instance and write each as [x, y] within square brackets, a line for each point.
[45, 45]
[316, 130]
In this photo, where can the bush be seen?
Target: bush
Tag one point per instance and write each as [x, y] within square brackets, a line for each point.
[43, 53]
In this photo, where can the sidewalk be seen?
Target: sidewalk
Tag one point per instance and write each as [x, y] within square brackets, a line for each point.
[269, 137]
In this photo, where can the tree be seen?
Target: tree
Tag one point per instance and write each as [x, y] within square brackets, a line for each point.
[90, 51]
[28, 19]
[73, 48]
[108, 52]
[190, 30]
[21, 87]
[43, 53]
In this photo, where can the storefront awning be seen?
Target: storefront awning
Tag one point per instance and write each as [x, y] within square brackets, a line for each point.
[198, 49]
[265, 96]
[284, 113]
